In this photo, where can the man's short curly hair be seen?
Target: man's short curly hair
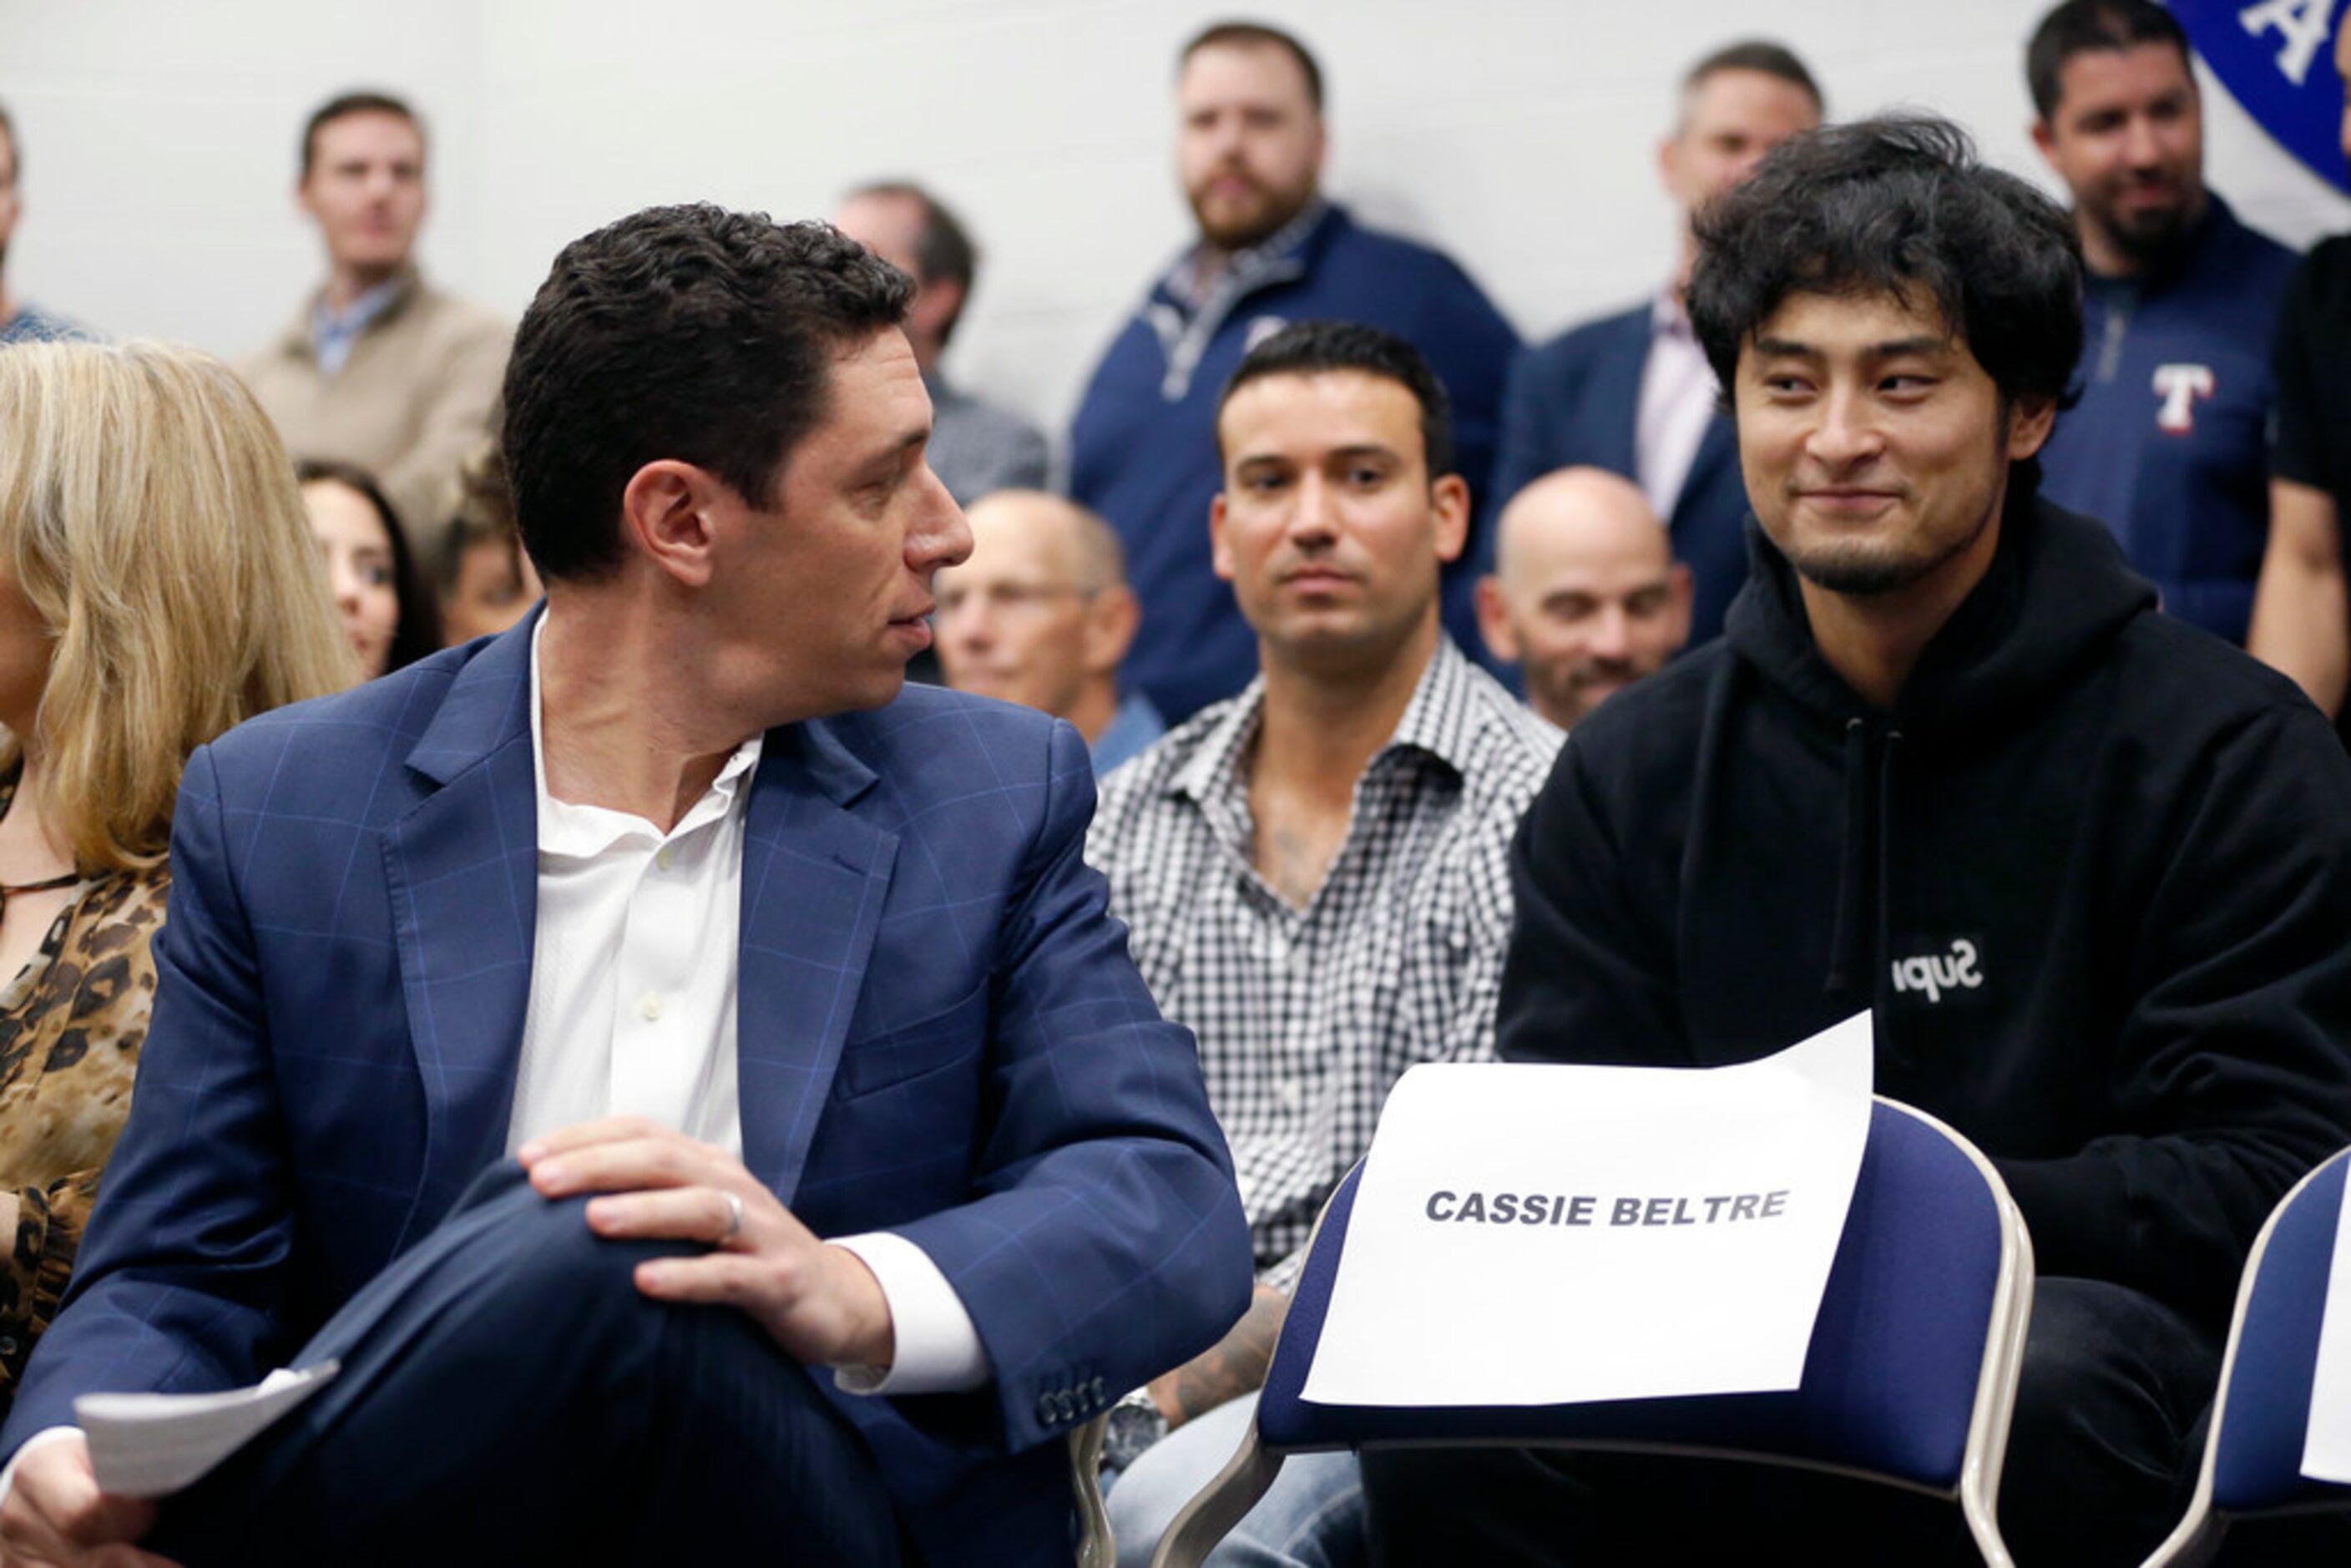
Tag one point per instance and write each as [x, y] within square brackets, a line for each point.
[1898, 206]
[1321, 348]
[686, 332]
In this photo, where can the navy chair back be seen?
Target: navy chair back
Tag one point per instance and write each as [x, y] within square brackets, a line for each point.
[2252, 1461]
[1909, 1378]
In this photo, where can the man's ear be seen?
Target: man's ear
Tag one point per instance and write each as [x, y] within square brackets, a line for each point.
[1494, 621]
[1112, 619]
[667, 517]
[939, 304]
[1449, 502]
[1685, 597]
[1220, 556]
[2046, 139]
[2030, 421]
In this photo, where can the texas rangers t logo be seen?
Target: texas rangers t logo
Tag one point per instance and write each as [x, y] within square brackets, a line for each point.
[2180, 387]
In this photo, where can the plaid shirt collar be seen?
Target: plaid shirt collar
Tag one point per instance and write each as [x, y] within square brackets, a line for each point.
[1437, 722]
[1247, 268]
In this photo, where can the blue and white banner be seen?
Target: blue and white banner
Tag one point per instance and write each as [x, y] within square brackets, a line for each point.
[2277, 58]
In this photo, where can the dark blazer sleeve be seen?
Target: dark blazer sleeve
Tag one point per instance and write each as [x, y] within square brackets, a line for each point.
[1470, 345]
[1107, 1239]
[181, 1270]
[1531, 422]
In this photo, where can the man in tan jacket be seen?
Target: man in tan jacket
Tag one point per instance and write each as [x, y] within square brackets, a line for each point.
[377, 368]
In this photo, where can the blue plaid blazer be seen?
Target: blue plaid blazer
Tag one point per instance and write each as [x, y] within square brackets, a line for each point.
[940, 1034]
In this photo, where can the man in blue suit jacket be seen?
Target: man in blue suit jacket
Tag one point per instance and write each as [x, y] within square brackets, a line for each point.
[1630, 392]
[663, 895]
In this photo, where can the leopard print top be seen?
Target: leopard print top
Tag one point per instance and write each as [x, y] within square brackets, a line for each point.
[71, 1024]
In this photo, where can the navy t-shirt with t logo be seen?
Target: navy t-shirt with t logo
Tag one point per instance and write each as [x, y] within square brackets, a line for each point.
[2169, 444]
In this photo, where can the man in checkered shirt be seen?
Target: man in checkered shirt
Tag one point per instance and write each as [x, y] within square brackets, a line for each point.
[1316, 872]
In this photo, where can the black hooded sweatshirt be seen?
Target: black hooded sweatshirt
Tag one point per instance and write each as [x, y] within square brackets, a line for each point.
[2092, 871]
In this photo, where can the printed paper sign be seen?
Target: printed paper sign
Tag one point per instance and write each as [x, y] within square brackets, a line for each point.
[2326, 1441]
[1546, 1235]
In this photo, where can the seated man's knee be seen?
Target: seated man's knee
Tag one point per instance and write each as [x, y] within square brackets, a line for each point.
[540, 1254]
[2098, 1459]
[2103, 1359]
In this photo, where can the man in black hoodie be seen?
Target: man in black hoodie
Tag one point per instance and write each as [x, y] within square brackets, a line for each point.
[2090, 866]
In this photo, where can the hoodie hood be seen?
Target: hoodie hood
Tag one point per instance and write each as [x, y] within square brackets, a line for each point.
[2057, 593]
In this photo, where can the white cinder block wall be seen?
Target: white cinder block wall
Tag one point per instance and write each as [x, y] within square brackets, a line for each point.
[160, 138]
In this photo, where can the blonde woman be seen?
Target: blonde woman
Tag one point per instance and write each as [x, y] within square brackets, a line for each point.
[158, 584]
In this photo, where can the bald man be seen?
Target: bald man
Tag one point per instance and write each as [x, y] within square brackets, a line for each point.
[1040, 614]
[1585, 592]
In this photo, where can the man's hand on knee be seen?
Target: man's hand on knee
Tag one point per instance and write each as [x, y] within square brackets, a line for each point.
[56, 1515]
[820, 1302]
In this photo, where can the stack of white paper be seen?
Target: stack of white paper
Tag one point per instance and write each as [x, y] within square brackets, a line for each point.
[152, 1445]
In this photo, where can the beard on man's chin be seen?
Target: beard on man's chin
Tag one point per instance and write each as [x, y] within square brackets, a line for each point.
[1858, 571]
[1240, 235]
[1262, 219]
[2155, 233]
[1857, 575]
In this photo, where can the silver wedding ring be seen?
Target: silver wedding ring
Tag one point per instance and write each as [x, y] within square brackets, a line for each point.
[733, 1219]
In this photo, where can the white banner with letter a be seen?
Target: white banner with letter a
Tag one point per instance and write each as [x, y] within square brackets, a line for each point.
[1528, 1234]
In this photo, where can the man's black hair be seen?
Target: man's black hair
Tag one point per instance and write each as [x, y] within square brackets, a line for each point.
[1319, 347]
[1897, 206]
[686, 333]
[2078, 26]
[944, 251]
[1258, 35]
[1757, 55]
[367, 101]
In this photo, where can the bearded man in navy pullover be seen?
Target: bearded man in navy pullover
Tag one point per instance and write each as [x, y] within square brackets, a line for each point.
[2168, 441]
[2088, 866]
[1272, 251]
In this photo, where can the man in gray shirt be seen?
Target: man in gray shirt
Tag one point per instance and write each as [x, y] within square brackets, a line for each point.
[975, 447]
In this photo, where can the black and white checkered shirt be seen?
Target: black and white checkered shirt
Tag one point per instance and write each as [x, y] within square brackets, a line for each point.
[1307, 1017]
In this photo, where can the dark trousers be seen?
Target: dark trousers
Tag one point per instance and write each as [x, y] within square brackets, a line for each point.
[2101, 1461]
[508, 1396]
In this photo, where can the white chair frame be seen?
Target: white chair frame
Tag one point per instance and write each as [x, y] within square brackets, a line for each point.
[2199, 1534]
